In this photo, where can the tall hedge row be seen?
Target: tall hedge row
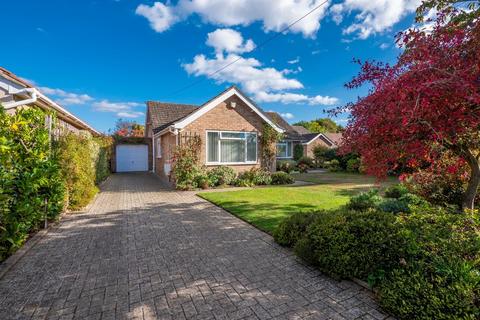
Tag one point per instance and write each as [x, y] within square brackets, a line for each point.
[39, 178]
[31, 185]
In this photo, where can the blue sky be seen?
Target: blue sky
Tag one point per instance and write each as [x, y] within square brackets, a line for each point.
[103, 59]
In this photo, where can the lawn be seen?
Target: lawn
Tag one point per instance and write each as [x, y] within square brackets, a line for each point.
[265, 207]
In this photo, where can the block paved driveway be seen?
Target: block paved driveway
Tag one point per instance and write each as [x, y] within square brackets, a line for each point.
[146, 252]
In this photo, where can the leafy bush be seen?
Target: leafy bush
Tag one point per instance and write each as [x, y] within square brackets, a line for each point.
[353, 244]
[286, 165]
[302, 168]
[396, 191]
[254, 177]
[323, 154]
[333, 165]
[186, 166]
[364, 201]
[292, 228]
[406, 204]
[440, 278]
[31, 186]
[305, 161]
[221, 175]
[103, 158]
[297, 152]
[353, 165]
[77, 154]
[202, 180]
[282, 178]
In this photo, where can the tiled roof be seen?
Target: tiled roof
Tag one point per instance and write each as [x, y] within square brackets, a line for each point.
[301, 130]
[164, 114]
[290, 133]
[335, 137]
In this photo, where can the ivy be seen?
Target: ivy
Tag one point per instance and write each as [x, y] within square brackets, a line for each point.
[268, 143]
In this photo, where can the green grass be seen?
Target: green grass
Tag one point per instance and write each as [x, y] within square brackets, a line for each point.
[265, 207]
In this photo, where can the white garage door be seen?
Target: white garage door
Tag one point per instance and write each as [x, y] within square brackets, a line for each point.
[132, 157]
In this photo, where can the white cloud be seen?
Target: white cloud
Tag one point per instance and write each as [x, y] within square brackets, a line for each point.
[274, 15]
[372, 16]
[384, 46]
[288, 98]
[287, 115]
[107, 106]
[132, 114]
[66, 98]
[230, 41]
[160, 16]
[121, 109]
[294, 61]
[263, 83]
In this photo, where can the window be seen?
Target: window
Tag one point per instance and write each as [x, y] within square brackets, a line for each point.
[284, 149]
[231, 147]
[158, 147]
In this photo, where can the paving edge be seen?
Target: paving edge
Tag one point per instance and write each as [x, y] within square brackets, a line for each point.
[11, 261]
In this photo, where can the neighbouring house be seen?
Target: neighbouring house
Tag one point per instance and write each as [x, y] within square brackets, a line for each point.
[298, 135]
[229, 126]
[17, 93]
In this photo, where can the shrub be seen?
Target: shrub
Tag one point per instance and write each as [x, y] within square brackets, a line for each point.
[282, 178]
[292, 228]
[396, 191]
[333, 165]
[440, 277]
[286, 165]
[353, 165]
[297, 152]
[305, 161]
[353, 244]
[202, 180]
[31, 185]
[221, 175]
[77, 154]
[186, 164]
[407, 203]
[103, 158]
[302, 168]
[323, 154]
[254, 177]
[364, 201]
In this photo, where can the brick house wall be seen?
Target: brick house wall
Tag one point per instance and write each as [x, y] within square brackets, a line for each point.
[308, 149]
[168, 142]
[223, 117]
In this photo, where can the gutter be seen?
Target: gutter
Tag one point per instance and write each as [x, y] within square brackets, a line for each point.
[32, 92]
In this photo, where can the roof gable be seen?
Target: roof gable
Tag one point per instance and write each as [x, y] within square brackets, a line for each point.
[214, 102]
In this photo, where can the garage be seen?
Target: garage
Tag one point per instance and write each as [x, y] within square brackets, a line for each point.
[131, 157]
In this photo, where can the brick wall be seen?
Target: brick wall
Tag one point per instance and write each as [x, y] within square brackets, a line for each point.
[168, 143]
[223, 117]
[308, 149]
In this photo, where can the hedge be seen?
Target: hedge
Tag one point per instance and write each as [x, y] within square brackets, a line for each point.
[425, 264]
[31, 185]
[39, 178]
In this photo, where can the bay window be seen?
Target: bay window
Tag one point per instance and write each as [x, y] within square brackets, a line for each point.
[285, 149]
[231, 147]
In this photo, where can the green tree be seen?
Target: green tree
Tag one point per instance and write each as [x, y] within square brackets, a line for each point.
[320, 125]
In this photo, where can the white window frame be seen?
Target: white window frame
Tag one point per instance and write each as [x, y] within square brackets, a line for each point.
[158, 147]
[285, 143]
[220, 151]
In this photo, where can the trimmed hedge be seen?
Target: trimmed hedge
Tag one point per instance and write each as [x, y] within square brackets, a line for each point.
[425, 265]
[84, 161]
[31, 186]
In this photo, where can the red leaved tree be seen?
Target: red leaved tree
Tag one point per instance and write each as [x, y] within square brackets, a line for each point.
[427, 104]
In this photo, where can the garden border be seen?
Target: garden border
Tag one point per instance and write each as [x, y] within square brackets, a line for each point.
[11, 261]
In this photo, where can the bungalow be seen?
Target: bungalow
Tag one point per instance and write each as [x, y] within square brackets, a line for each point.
[17, 93]
[298, 135]
[229, 126]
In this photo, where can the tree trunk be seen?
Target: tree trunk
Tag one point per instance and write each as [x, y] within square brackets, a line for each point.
[473, 183]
